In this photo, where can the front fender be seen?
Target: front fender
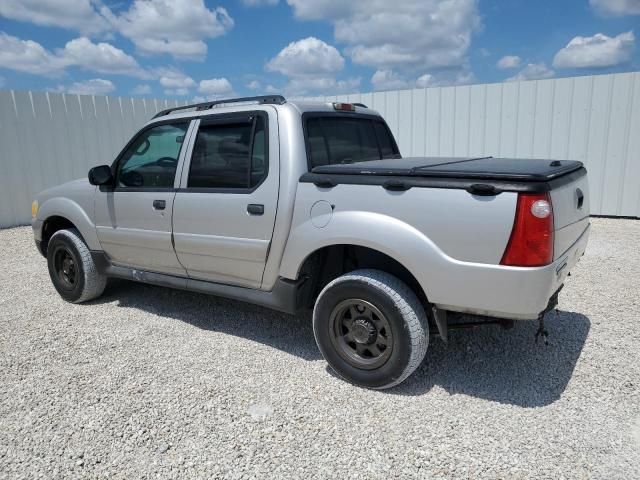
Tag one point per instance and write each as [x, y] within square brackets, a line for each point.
[72, 211]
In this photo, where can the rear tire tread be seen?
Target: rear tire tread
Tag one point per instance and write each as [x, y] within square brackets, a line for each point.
[409, 306]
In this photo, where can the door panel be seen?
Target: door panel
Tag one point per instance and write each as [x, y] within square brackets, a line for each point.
[134, 219]
[215, 236]
[133, 233]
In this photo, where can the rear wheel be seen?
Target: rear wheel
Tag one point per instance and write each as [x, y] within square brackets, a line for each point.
[71, 267]
[371, 328]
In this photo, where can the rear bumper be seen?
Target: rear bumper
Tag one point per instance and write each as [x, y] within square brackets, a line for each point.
[513, 292]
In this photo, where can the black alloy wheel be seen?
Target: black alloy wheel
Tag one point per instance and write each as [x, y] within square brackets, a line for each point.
[361, 334]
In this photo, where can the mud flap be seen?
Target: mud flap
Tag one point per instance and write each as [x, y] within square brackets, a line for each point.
[440, 316]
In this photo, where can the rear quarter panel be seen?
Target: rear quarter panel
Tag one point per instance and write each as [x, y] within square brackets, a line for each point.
[450, 241]
[462, 226]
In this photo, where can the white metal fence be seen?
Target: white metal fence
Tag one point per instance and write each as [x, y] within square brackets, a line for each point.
[48, 138]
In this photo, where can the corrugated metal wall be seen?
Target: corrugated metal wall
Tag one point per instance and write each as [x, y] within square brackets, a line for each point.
[593, 119]
[48, 138]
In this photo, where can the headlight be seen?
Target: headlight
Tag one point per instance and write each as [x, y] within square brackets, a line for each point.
[34, 209]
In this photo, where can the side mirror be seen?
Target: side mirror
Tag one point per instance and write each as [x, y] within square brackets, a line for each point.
[101, 175]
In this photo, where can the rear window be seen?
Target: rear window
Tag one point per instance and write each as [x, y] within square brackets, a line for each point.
[341, 139]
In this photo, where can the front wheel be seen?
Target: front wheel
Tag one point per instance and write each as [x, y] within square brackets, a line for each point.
[71, 267]
[371, 328]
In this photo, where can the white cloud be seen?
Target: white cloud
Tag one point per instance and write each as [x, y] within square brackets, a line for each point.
[308, 56]
[171, 78]
[77, 15]
[259, 3]
[509, 61]
[400, 34]
[533, 71]
[311, 66]
[254, 85]
[616, 7]
[101, 57]
[317, 85]
[596, 51]
[29, 56]
[174, 27]
[392, 80]
[424, 81]
[388, 80]
[179, 92]
[142, 89]
[215, 87]
[95, 86]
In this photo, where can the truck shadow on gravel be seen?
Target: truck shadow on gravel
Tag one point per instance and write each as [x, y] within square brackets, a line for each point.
[505, 366]
[485, 362]
[293, 335]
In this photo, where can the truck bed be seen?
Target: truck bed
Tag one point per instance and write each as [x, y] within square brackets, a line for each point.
[565, 180]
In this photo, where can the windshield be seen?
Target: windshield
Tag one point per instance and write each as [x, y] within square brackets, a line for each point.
[342, 139]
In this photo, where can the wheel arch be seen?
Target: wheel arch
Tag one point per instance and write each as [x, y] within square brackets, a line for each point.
[328, 262]
[51, 225]
[60, 213]
[392, 238]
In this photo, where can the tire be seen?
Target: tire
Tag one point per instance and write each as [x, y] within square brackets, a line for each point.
[371, 328]
[71, 267]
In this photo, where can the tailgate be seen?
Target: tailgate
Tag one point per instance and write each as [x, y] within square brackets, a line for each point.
[570, 212]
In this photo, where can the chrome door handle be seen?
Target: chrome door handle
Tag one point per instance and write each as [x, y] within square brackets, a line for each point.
[159, 204]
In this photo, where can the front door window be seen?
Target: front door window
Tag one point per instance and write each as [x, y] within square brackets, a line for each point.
[151, 160]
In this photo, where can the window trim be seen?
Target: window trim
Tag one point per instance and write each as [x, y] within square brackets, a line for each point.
[373, 118]
[116, 162]
[222, 119]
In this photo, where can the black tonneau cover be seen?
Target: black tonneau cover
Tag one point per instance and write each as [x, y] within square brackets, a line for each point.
[483, 168]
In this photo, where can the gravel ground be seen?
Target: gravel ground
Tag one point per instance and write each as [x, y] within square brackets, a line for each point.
[150, 382]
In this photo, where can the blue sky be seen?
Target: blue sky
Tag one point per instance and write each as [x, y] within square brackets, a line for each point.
[197, 49]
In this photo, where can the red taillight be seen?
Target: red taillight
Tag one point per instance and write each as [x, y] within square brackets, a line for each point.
[531, 242]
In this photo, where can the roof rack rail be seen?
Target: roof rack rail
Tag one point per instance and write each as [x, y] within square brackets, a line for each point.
[360, 105]
[262, 99]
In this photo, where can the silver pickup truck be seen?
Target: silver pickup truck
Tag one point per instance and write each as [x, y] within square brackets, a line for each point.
[294, 205]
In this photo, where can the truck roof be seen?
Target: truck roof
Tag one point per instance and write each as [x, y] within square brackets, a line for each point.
[248, 103]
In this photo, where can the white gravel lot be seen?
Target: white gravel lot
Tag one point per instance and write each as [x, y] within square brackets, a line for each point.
[150, 382]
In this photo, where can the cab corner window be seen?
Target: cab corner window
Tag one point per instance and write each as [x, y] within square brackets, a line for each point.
[151, 160]
[342, 139]
[229, 155]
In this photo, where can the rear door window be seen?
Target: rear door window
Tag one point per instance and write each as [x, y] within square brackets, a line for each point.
[229, 155]
[341, 139]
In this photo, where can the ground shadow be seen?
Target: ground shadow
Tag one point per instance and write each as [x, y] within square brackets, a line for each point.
[505, 366]
[485, 362]
[293, 335]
